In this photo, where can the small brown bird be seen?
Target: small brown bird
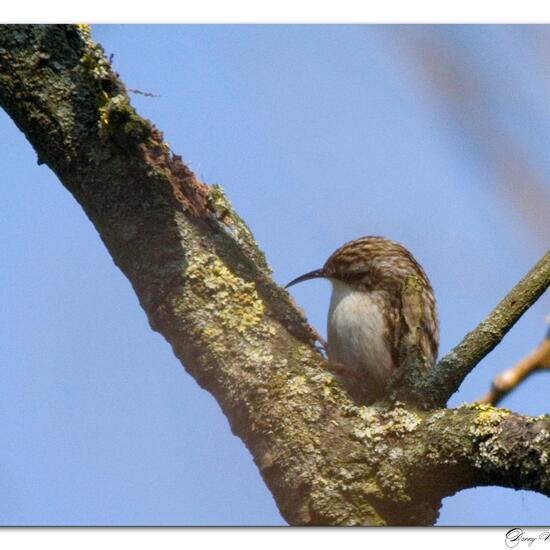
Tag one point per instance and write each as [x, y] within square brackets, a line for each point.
[371, 314]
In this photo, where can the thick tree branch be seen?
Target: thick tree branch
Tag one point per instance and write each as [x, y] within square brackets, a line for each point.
[489, 446]
[205, 286]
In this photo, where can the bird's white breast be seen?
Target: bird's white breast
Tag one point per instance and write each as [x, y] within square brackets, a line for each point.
[356, 328]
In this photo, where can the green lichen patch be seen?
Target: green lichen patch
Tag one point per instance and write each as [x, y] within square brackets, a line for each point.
[84, 29]
[117, 119]
[541, 443]
[395, 421]
[382, 432]
[233, 304]
[298, 385]
[487, 420]
[493, 444]
[329, 508]
[120, 123]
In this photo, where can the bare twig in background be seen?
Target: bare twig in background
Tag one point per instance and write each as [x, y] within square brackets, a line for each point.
[466, 91]
[510, 379]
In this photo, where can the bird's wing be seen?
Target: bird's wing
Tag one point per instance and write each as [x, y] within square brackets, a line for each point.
[418, 329]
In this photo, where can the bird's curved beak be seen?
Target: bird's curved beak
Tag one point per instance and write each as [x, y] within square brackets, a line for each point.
[311, 275]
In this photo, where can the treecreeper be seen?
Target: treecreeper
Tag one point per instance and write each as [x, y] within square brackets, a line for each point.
[375, 321]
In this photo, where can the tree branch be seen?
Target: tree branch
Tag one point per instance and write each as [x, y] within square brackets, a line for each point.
[489, 446]
[205, 286]
[442, 381]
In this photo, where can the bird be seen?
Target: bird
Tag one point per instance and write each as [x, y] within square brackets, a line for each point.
[374, 322]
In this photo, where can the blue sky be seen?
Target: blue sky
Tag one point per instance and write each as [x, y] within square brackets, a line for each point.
[318, 134]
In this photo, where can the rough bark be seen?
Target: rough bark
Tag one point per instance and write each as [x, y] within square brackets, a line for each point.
[206, 287]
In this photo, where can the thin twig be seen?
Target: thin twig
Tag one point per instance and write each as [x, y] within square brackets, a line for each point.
[510, 379]
[139, 92]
